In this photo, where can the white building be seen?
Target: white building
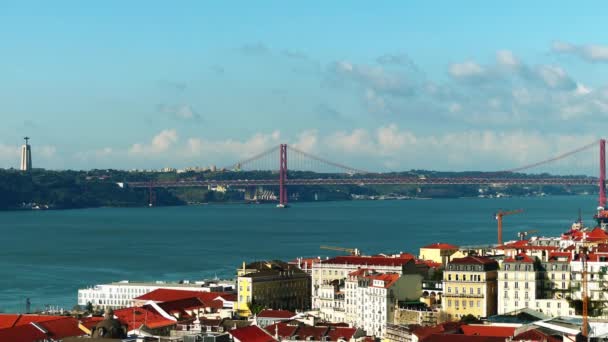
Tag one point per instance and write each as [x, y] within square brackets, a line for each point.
[324, 272]
[371, 298]
[121, 294]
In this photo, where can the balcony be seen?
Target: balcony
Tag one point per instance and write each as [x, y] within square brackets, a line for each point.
[462, 295]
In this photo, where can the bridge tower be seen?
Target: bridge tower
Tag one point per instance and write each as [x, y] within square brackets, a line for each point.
[602, 181]
[283, 176]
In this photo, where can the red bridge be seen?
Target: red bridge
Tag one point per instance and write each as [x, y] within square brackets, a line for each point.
[345, 175]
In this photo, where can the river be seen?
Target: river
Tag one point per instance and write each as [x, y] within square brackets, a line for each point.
[48, 255]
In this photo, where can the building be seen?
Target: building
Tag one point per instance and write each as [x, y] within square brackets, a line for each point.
[371, 298]
[269, 317]
[518, 285]
[272, 284]
[416, 313]
[26, 156]
[438, 252]
[325, 272]
[121, 294]
[470, 288]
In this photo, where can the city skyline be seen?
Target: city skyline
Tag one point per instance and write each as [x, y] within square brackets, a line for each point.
[392, 86]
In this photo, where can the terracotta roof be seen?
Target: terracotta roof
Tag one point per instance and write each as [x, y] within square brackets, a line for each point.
[368, 261]
[429, 263]
[440, 245]
[536, 335]
[23, 333]
[251, 334]
[268, 313]
[474, 260]
[284, 330]
[91, 322]
[166, 295]
[521, 257]
[146, 315]
[553, 256]
[516, 244]
[461, 338]
[314, 333]
[13, 320]
[56, 329]
[341, 333]
[388, 278]
[487, 330]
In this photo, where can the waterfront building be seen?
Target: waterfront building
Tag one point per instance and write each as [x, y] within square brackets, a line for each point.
[272, 284]
[121, 294]
[470, 287]
[371, 298]
[26, 156]
[338, 268]
[439, 252]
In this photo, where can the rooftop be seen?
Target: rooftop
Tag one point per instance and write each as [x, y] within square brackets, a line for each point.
[368, 260]
[440, 245]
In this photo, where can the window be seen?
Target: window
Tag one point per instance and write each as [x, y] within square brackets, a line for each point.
[526, 285]
[506, 294]
[516, 285]
[548, 304]
[479, 290]
[553, 276]
[563, 276]
[471, 291]
[563, 285]
[449, 289]
[449, 303]
[464, 277]
[449, 277]
[506, 276]
[506, 284]
[471, 303]
[456, 303]
[516, 303]
[478, 304]
[559, 305]
[516, 294]
[464, 303]
[526, 296]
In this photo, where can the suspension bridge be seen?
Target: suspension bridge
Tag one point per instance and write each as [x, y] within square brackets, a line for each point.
[276, 161]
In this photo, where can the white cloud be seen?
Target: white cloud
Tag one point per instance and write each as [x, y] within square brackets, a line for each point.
[506, 58]
[181, 112]
[160, 143]
[591, 53]
[466, 70]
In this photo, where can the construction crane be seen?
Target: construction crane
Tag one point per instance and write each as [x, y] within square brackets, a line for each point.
[351, 251]
[499, 216]
[522, 235]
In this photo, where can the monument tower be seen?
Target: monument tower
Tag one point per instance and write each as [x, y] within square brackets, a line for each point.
[26, 155]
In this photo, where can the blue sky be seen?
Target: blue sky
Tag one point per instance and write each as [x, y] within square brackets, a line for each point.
[381, 86]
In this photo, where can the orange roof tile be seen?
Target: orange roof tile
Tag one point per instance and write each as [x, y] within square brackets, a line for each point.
[521, 257]
[251, 333]
[269, 313]
[368, 261]
[487, 330]
[440, 245]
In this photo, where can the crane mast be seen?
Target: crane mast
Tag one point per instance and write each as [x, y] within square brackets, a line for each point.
[499, 216]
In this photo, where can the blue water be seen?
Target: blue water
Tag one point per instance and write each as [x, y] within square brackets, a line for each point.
[48, 255]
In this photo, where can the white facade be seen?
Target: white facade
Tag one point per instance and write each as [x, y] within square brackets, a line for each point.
[371, 299]
[326, 271]
[518, 285]
[121, 294]
[331, 303]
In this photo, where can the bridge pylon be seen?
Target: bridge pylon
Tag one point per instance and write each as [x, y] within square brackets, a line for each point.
[282, 176]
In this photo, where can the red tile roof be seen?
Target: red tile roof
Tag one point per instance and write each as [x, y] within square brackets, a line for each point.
[13, 320]
[440, 245]
[251, 333]
[314, 333]
[56, 329]
[516, 244]
[166, 295]
[388, 278]
[553, 256]
[90, 322]
[284, 330]
[23, 333]
[473, 260]
[520, 258]
[368, 261]
[429, 263]
[62, 328]
[487, 330]
[341, 333]
[461, 338]
[146, 315]
[536, 335]
[268, 313]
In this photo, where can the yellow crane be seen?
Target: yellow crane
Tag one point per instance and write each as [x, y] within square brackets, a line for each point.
[351, 251]
[499, 216]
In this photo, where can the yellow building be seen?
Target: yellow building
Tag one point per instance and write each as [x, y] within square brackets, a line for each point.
[470, 287]
[439, 252]
[273, 285]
